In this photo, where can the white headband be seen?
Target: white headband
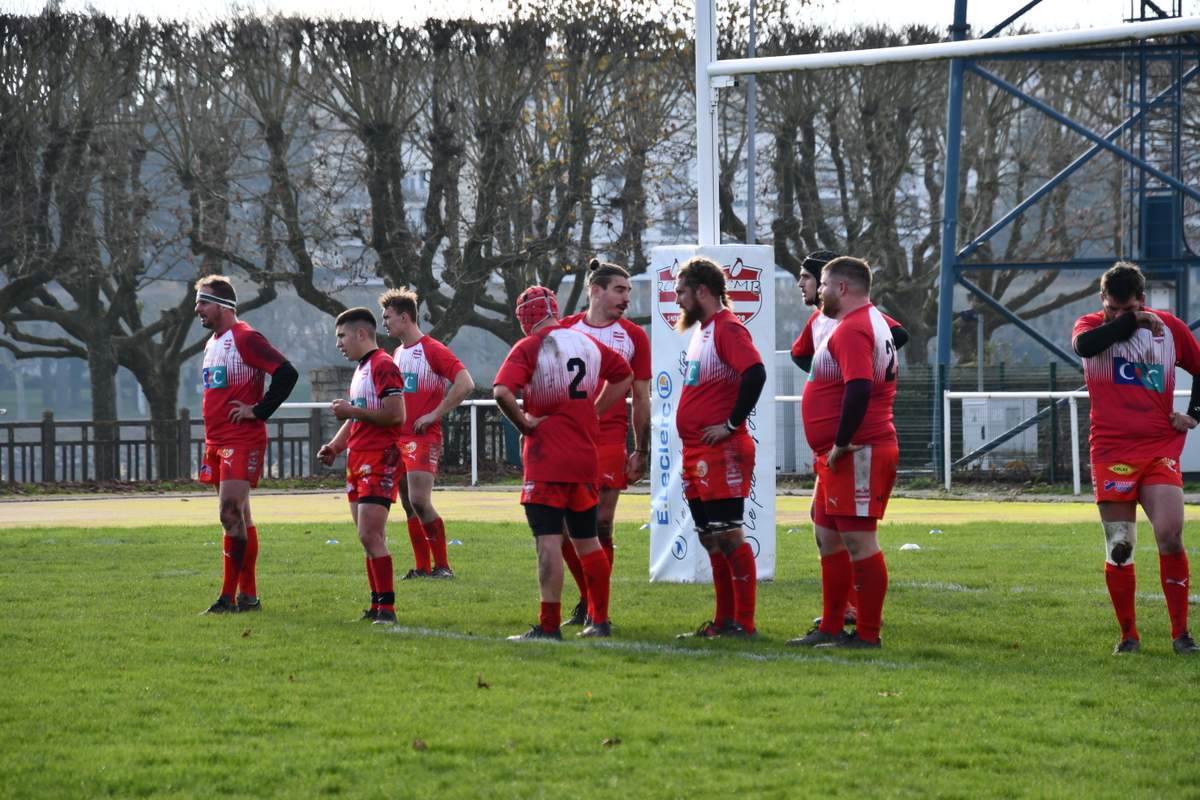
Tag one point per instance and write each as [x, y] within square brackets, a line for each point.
[212, 298]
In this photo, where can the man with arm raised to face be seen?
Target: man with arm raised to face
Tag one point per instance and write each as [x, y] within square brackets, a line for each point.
[435, 383]
[568, 380]
[1129, 357]
[372, 421]
[725, 376]
[604, 321]
[847, 412]
[235, 407]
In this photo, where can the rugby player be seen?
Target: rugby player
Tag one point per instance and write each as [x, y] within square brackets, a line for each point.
[371, 429]
[568, 380]
[235, 406]
[1129, 354]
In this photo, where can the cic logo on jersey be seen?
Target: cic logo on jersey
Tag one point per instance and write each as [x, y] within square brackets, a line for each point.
[743, 285]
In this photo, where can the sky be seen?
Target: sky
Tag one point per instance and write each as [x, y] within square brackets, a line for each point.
[982, 15]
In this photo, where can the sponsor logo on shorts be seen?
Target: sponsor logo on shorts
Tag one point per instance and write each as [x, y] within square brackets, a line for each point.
[1118, 486]
[679, 548]
[1136, 373]
[410, 447]
[1121, 469]
[701, 469]
[205, 471]
[1170, 464]
[364, 469]
[225, 453]
[663, 384]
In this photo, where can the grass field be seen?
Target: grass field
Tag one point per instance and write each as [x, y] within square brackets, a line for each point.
[995, 678]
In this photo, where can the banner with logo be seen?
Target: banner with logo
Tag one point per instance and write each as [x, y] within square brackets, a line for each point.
[675, 550]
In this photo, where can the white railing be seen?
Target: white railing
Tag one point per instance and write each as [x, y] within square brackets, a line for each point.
[1072, 399]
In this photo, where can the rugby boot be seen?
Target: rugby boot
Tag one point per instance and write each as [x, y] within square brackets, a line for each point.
[384, 618]
[850, 620]
[736, 631]
[413, 574]
[247, 603]
[224, 605]
[1127, 646]
[596, 630]
[710, 630]
[442, 572]
[369, 615]
[1184, 645]
[852, 642]
[536, 632]
[816, 637]
[579, 615]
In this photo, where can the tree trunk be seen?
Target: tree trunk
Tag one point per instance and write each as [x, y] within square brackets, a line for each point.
[102, 373]
[162, 395]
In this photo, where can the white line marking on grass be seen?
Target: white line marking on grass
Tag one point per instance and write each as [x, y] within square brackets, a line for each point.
[940, 586]
[651, 647]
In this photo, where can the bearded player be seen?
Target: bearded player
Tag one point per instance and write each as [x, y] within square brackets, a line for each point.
[1129, 354]
[604, 321]
[435, 383]
[816, 330]
[371, 429]
[847, 412]
[236, 359]
[725, 376]
[568, 381]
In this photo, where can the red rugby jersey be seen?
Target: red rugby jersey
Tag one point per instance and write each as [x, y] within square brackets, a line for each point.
[375, 378]
[860, 347]
[631, 343]
[1132, 388]
[234, 368]
[428, 368]
[560, 372]
[720, 351]
[816, 330]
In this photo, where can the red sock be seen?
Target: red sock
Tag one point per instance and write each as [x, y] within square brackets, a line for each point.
[851, 596]
[381, 568]
[871, 582]
[374, 585]
[571, 559]
[1173, 572]
[435, 533]
[234, 551]
[420, 543]
[246, 579]
[550, 616]
[722, 587]
[837, 581]
[744, 573]
[596, 570]
[1122, 587]
[606, 543]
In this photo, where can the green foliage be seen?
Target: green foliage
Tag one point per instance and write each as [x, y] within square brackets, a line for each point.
[994, 680]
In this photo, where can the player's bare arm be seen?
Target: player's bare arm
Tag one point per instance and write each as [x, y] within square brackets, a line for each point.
[390, 413]
[635, 465]
[462, 386]
[335, 446]
[506, 401]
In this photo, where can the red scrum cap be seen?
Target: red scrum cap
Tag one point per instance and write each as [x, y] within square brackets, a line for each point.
[534, 305]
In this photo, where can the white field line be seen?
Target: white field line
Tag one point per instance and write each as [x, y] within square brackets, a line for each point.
[652, 647]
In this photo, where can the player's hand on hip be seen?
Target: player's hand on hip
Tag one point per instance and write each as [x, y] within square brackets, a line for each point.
[1152, 322]
[342, 409]
[423, 422]
[531, 423]
[241, 412]
[1182, 422]
[715, 433]
[836, 452]
[635, 466]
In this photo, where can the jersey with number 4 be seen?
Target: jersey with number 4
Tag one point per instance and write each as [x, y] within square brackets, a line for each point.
[859, 348]
[560, 372]
[1132, 389]
[428, 368]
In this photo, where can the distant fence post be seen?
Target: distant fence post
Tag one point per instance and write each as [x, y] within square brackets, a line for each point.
[48, 446]
[183, 438]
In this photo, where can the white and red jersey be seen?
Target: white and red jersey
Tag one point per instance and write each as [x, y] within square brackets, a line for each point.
[816, 330]
[428, 368]
[560, 372]
[720, 351]
[1132, 389]
[859, 348]
[631, 343]
[375, 379]
[234, 368]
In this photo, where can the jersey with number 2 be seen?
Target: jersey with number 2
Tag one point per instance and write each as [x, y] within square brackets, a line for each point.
[559, 373]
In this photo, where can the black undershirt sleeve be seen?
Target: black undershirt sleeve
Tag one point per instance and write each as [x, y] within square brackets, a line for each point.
[1098, 339]
[899, 336]
[753, 380]
[283, 380]
[1193, 409]
[854, 409]
[803, 362]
